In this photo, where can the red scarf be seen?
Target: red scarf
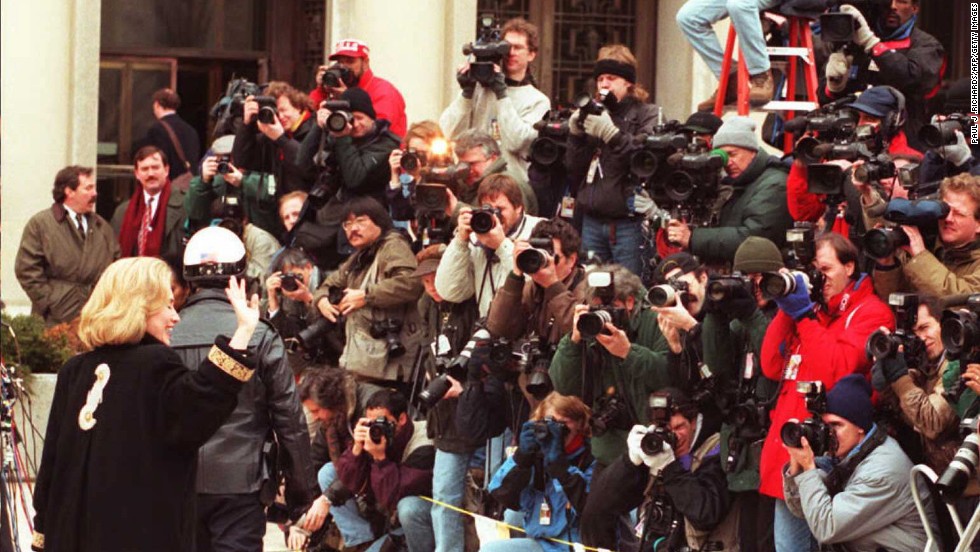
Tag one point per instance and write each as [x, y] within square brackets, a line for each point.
[129, 233]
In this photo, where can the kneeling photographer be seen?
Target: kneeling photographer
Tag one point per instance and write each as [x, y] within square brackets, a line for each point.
[865, 501]
[390, 464]
[547, 478]
[610, 359]
[672, 472]
[379, 300]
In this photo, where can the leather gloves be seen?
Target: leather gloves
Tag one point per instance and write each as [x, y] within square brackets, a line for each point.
[601, 126]
[467, 83]
[499, 85]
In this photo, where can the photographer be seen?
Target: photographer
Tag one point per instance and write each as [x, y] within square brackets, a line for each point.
[945, 159]
[807, 342]
[290, 207]
[888, 49]
[271, 147]
[354, 56]
[616, 368]
[865, 501]
[600, 146]
[379, 297]
[684, 497]
[480, 152]
[406, 171]
[480, 256]
[756, 204]
[220, 178]
[506, 106]
[953, 267]
[547, 478]
[542, 304]
[390, 464]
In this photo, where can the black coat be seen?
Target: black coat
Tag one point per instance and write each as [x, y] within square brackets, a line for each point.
[128, 482]
[189, 142]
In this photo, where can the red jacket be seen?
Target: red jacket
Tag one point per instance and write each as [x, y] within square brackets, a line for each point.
[387, 100]
[830, 347]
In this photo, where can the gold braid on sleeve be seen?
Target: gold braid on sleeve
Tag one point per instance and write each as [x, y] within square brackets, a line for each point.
[227, 364]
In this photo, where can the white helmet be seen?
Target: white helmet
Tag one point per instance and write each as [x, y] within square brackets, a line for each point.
[214, 253]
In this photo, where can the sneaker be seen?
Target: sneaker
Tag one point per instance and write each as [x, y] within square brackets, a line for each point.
[761, 89]
[709, 104]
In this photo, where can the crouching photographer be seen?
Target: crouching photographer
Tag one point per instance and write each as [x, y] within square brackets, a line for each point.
[609, 358]
[865, 501]
[547, 478]
[672, 471]
[379, 297]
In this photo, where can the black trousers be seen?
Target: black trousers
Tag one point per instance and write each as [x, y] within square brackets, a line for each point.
[230, 523]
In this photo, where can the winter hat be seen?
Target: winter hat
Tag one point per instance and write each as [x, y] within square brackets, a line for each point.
[737, 131]
[359, 101]
[877, 101]
[703, 122]
[757, 254]
[851, 399]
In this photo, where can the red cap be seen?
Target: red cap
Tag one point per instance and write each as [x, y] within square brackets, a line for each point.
[350, 47]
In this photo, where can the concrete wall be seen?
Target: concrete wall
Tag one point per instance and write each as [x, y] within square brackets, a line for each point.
[49, 108]
[416, 45]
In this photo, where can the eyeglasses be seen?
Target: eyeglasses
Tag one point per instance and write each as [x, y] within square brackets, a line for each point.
[359, 222]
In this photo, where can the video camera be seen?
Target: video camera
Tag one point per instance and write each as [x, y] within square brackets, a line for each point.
[592, 323]
[943, 133]
[724, 288]
[667, 139]
[337, 76]
[821, 438]
[231, 105]
[832, 123]
[488, 50]
[882, 344]
[549, 147]
[687, 185]
[924, 214]
[838, 28]
[587, 105]
[961, 331]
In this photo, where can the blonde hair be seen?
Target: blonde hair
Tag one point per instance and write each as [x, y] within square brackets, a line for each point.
[622, 54]
[128, 291]
[568, 406]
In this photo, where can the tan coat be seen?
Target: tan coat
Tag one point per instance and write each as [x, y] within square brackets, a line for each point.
[57, 268]
[947, 272]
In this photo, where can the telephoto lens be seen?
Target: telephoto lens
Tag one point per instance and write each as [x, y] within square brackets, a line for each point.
[664, 295]
[882, 344]
[483, 220]
[780, 284]
[435, 391]
[338, 121]
[883, 242]
[591, 324]
[953, 481]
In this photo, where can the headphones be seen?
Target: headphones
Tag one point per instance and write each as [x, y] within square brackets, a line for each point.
[893, 122]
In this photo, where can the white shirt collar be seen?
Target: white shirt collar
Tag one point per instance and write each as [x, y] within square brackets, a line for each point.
[74, 217]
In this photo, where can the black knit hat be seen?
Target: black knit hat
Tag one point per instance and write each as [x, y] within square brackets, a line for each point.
[359, 101]
[683, 260]
[851, 399]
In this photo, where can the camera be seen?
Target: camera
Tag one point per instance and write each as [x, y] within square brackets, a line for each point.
[961, 331]
[609, 412]
[883, 242]
[669, 294]
[542, 429]
[381, 428]
[388, 330]
[532, 260]
[781, 284]
[667, 138]
[338, 75]
[724, 288]
[484, 219]
[659, 411]
[817, 433]
[963, 466]
[882, 344]
[549, 147]
[536, 359]
[587, 105]
[224, 166]
[943, 133]
[452, 176]
[924, 214]
[697, 174]
[290, 281]
[267, 109]
[879, 168]
[825, 179]
[310, 337]
[830, 124]
[437, 388]
[488, 50]
[593, 323]
[430, 198]
[412, 159]
[340, 115]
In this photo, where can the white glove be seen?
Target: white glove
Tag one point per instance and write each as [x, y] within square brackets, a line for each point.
[601, 126]
[863, 35]
[957, 153]
[836, 72]
[643, 204]
[573, 127]
[659, 461]
[633, 444]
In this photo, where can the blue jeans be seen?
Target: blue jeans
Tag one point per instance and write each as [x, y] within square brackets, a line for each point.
[449, 486]
[415, 516]
[696, 17]
[625, 250]
[512, 545]
[791, 533]
[354, 528]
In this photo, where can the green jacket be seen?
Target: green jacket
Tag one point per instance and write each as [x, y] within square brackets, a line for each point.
[757, 208]
[643, 371]
[256, 195]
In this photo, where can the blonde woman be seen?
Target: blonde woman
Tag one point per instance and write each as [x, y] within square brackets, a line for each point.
[127, 418]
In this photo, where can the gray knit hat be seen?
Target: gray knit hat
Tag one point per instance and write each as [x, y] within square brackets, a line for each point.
[737, 131]
[757, 254]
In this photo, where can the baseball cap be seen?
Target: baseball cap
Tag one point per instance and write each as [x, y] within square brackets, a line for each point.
[350, 47]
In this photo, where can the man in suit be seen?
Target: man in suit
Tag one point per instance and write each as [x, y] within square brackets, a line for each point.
[151, 222]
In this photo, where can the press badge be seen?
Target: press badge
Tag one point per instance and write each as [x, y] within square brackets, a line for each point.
[544, 519]
[567, 207]
[792, 368]
[593, 169]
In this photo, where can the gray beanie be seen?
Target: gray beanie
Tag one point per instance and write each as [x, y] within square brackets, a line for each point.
[737, 131]
[757, 254]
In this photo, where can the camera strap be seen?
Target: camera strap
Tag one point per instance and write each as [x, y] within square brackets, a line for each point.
[839, 476]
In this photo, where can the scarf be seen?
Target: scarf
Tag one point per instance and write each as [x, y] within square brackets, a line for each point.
[901, 33]
[133, 218]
